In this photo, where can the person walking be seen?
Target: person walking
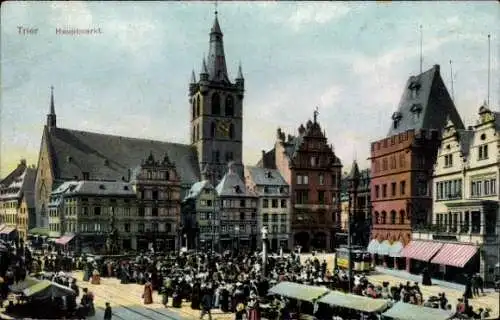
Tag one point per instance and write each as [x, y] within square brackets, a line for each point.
[206, 304]
[108, 313]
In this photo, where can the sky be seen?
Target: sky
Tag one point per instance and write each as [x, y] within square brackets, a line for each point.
[351, 60]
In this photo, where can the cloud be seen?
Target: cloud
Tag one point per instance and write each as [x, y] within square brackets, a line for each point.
[317, 13]
[331, 96]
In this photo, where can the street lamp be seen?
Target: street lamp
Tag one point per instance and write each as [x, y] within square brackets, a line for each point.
[264, 233]
[237, 231]
[185, 240]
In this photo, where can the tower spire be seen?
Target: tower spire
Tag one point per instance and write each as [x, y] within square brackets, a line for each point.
[51, 117]
[193, 77]
[216, 63]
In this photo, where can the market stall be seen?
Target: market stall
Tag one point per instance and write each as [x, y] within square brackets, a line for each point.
[406, 311]
[298, 291]
[47, 289]
[354, 302]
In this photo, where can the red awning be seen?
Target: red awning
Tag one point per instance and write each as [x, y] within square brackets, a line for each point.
[421, 250]
[455, 255]
[64, 240]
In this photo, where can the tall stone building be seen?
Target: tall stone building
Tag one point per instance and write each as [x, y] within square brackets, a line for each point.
[313, 171]
[217, 112]
[402, 163]
[17, 202]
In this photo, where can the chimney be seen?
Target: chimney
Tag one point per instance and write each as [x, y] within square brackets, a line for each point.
[437, 67]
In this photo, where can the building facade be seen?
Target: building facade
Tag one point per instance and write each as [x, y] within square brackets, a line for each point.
[17, 202]
[465, 222]
[273, 205]
[402, 163]
[201, 218]
[217, 111]
[313, 171]
[238, 213]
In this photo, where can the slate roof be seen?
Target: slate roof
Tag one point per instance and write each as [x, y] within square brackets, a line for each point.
[101, 188]
[433, 102]
[13, 174]
[22, 183]
[266, 177]
[268, 160]
[229, 184]
[197, 188]
[109, 157]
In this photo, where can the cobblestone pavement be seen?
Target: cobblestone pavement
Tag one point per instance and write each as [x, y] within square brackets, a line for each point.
[126, 302]
[489, 300]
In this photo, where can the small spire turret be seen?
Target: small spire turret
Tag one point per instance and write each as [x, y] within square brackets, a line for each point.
[204, 71]
[193, 77]
[51, 117]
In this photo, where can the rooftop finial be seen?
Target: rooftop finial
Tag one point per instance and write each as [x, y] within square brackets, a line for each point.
[52, 108]
[216, 12]
[316, 112]
[51, 117]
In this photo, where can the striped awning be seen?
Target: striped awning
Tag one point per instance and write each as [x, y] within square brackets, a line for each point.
[64, 240]
[373, 246]
[383, 248]
[421, 250]
[455, 255]
[395, 249]
[7, 230]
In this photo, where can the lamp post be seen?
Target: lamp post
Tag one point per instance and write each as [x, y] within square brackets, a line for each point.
[264, 233]
[185, 240]
[237, 232]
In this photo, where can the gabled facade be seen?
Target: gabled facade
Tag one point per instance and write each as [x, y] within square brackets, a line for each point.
[238, 213]
[309, 165]
[465, 199]
[217, 112]
[17, 202]
[401, 165]
[201, 217]
[273, 205]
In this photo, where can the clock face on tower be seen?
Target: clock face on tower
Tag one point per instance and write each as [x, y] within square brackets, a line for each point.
[223, 127]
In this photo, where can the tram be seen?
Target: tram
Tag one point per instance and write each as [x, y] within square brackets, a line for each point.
[361, 259]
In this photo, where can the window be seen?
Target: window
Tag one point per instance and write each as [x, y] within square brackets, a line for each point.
[314, 161]
[383, 219]
[127, 227]
[229, 156]
[242, 215]
[299, 179]
[97, 211]
[216, 156]
[384, 164]
[265, 217]
[321, 179]
[384, 191]
[283, 203]
[215, 104]
[155, 195]
[86, 176]
[393, 189]
[141, 211]
[376, 217]
[265, 203]
[401, 217]
[85, 211]
[154, 212]
[140, 227]
[306, 179]
[393, 162]
[483, 152]
[231, 131]
[212, 130]
[393, 217]
[402, 187]
[275, 203]
[302, 197]
[377, 191]
[198, 106]
[448, 160]
[421, 188]
[229, 106]
[242, 203]
[321, 197]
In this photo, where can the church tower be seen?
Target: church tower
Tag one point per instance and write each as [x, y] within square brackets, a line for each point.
[217, 112]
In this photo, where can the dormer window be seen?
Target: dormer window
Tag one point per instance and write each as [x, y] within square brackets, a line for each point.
[416, 109]
[396, 118]
[237, 189]
[414, 89]
[266, 190]
[269, 175]
[102, 187]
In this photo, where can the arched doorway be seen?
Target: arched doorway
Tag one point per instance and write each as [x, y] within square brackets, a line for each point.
[302, 239]
[319, 241]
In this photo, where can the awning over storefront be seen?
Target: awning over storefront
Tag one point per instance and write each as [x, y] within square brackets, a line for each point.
[421, 250]
[407, 311]
[383, 248]
[373, 246]
[455, 255]
[7, 230]
[298, 291]
[39, 231]
[395, 249]
[354, 302]
[64, 240]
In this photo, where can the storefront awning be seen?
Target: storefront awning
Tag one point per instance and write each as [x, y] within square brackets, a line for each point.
[7, 230]
[407, 311]
[383, 248]
[421, 250]
[455, 255]
[64, 240]
[353, 302]
[298, 291]
[395, 249]
[372, 246]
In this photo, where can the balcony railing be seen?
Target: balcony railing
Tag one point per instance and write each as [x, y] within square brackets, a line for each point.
[462, 228]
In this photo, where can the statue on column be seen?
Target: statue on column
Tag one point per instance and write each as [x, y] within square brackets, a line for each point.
[112, 238]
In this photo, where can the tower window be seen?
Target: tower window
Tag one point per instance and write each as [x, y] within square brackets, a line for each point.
[216, 104]
[231, 131]
[212, 129]
[194, 109]
[198, 106]
[229, 106]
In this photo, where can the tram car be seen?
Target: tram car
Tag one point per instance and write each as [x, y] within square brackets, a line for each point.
[361, 259]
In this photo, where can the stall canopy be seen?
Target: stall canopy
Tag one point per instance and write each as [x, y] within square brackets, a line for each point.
[373, 246]
[298, 291]
[354, 302]
[7, 230]
[20, 286]
[39, 231]
[383, 248]
[455, 255]
[406, 311]
[47, 289]
[64, 240]
[395, 249]
[421, 250]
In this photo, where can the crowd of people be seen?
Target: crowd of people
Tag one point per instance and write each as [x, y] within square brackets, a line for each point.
[237, 284]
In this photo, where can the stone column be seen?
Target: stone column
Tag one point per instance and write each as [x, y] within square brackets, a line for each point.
[448, 221]
[470, 222]
[482, 227]
[459, 224]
